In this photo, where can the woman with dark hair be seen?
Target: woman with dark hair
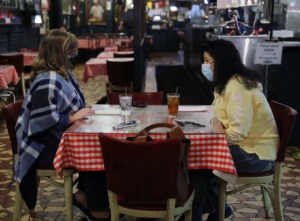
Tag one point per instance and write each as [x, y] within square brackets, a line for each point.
[244, 112]
[54, 102]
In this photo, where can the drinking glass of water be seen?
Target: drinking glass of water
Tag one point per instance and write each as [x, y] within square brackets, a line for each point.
[125, 101]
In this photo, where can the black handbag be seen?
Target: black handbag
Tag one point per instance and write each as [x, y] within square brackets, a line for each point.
[183, 187]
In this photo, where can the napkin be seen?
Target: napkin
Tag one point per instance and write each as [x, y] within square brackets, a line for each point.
[192, 108]
[106, 110]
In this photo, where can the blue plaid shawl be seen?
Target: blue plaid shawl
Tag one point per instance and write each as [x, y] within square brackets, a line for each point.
[45, 109]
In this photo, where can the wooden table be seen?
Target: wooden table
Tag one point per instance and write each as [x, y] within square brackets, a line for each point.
[80, 148]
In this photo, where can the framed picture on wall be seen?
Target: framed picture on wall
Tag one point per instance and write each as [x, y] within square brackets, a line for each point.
[95, 11]
[69, 7]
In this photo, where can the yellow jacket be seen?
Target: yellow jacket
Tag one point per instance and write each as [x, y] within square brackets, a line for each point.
[247, 119]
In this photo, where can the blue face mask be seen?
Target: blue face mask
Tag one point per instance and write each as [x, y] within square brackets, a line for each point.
[206, 71]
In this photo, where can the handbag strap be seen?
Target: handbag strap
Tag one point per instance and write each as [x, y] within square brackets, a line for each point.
[174, 132]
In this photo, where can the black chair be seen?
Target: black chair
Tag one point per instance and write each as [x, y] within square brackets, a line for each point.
[120, 75]
[125, 48]
[123, 54]
[139, 98]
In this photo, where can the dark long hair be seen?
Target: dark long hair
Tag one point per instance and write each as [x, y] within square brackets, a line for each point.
[228, 63]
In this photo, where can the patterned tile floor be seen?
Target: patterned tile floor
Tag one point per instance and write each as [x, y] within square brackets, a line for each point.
[247, 205]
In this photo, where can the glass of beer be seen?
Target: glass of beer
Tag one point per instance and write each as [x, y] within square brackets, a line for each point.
[173, 104]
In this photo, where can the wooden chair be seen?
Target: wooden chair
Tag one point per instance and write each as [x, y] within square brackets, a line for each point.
[142, 184]
[139, 98]
[285, 118]
[125, 48]
[127, 44]
[29, 49]
[7, 95]
[17, 60]
[120, 75]
[11, 113]
[124, 55]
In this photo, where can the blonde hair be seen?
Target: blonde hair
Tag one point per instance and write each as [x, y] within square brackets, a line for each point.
[53, 53]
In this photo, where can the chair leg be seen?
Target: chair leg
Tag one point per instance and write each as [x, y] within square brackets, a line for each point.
[23, 85]
[188, 215]
[222, 199]
[277, 194]
[267, 202]
[68, 185]
[170, 210]
[18, 204]
[114, 211]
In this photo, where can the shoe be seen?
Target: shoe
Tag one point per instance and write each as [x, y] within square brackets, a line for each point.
[214, 216]
[91, 218]
[84, 211]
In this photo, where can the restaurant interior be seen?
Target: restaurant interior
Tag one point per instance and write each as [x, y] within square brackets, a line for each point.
[157, 43]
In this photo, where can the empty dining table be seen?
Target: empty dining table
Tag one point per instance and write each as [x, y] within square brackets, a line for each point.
[8, 74]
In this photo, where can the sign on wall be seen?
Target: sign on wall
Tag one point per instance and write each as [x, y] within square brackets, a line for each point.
[268, 53]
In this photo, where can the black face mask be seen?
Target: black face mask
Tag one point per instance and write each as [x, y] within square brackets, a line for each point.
[73, 61]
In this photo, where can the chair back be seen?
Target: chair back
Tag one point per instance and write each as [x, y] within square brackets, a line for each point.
[127, 44]
[141, 171]
[11, 113]
[29, 49]
[13, 59]
[125, 48]
[285, 118]
[147, 98]
[120, 71]
[123, 55]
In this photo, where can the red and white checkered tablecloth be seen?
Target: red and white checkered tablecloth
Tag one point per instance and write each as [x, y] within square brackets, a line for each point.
[94, 67]
[89, 43]
[82, 151]
[29, 58]
[106, 54]
[111, 49]
[8, 74]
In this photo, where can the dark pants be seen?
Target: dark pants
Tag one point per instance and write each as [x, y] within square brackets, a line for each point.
[206, 193]
[28, 186]
[93, 184]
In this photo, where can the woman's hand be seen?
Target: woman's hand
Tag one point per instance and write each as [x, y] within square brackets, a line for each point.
[82, 113]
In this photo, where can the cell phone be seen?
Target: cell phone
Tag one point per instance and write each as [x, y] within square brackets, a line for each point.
[131, 123]
[139, 104]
